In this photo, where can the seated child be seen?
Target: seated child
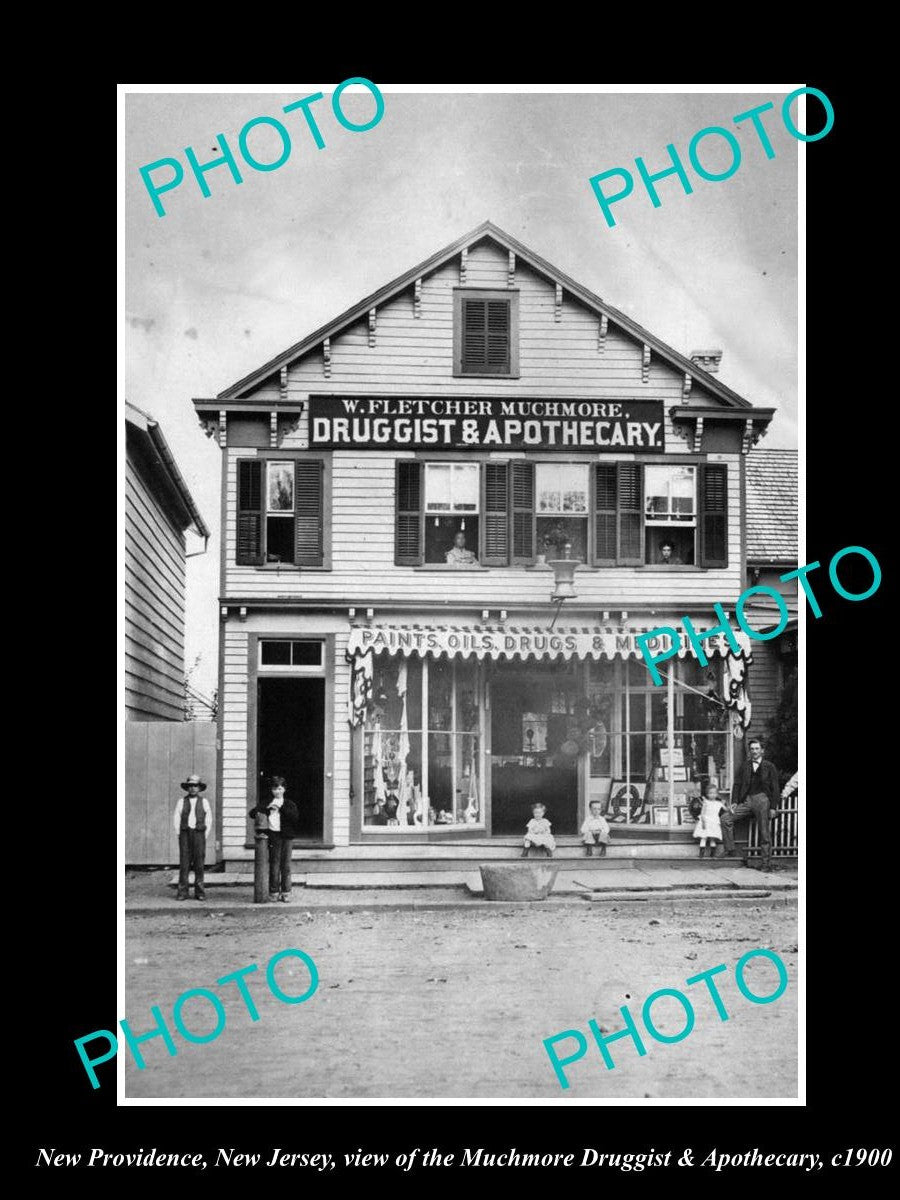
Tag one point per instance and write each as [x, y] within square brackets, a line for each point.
[708, 828]
[537, 832]
[595, 830]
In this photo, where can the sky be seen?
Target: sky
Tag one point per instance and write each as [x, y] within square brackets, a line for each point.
[219, 285]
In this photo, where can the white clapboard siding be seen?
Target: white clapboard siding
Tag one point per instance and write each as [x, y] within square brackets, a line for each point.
[233, 725]
[342, 748]
[154, 606]
[415, 355]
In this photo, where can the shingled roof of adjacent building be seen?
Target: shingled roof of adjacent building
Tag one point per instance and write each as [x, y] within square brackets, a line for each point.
[772, 518]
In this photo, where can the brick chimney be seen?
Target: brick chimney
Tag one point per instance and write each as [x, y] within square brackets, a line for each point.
[707, 360]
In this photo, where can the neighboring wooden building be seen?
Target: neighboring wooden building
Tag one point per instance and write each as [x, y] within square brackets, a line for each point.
[394, 487]
[772, 533]
[158, 511]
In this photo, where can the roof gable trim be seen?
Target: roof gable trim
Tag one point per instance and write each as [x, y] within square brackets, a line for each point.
[488, 231]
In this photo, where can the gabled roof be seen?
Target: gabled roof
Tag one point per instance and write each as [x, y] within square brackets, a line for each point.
[165, 470]
[772, 506]
[486, 231]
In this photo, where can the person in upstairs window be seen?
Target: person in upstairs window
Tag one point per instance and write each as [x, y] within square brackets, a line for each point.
[755, 794]
[458, 555]
[191, 820]
[668, 556]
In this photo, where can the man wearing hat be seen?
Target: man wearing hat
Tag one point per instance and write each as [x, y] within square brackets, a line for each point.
[192, 819]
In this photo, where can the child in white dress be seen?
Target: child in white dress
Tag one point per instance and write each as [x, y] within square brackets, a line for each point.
[709, 828]
[595, 830]
[537, 832]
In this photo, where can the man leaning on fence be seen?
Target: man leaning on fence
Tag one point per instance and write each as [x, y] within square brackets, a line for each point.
[755, 794]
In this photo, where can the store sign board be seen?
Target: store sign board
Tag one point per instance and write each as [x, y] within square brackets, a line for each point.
[447, 423]
[482, 643]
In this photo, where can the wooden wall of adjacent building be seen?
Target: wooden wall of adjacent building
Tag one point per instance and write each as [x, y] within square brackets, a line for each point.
[154, 605]
[158, 756]
[765, 684]
[768, 667]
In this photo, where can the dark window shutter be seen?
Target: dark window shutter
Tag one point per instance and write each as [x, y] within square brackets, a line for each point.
[495, 506]
[474, 341]
[630, 497]
[497, 337]
[713, 492]
[249, 511]
[309, 524]
[486, 337]
[408, 534]
[605, 491]
[523, 512]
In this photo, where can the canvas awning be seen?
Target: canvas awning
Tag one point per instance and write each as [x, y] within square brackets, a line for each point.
[532, 642]
[527, 641]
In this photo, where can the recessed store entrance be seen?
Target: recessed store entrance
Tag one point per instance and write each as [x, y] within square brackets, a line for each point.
[532, 709]
[291, 742]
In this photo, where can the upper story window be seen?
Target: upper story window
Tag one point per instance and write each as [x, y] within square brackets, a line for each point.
[670, 515]
[451, 513]
[485, 332]
[280, 520]
[496, 513]
[280, 511]
[562, 508]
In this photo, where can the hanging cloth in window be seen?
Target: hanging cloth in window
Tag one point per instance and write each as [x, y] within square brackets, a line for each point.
[471, 813]
[737, 698]
[363, 667]
[403, 782]
[378, 766]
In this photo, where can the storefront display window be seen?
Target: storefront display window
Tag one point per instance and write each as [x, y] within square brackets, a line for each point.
[419, 775]
[632, 775]
[563, 732]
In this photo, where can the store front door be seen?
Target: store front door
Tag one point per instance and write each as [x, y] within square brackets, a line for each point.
[290, 742]
[532, 708]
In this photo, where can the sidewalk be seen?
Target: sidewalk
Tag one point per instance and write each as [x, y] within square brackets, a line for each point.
[149, 892]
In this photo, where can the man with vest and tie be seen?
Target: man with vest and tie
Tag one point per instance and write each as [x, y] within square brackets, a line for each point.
[192, 819]
[755, 795]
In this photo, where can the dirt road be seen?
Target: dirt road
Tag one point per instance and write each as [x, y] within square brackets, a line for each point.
[457, 1003]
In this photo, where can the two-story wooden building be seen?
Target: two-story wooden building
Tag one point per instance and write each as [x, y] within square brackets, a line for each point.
[394, 487]
[159, 509]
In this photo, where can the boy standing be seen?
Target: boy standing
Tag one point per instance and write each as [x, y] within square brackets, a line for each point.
[282, 829]
[192, 819]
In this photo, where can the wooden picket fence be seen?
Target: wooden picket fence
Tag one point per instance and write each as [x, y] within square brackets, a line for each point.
[785, 831]
[158, 756]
